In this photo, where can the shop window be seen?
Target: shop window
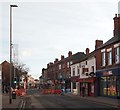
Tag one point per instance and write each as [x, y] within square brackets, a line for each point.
[118, 85]
[111, 87]
[108, 86]
[74, 85]
[92, 88]
[103, 83]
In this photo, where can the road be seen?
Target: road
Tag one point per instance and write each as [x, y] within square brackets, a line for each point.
[36, 100]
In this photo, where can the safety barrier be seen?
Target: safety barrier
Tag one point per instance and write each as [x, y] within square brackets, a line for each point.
[21, 92]
[51, 91]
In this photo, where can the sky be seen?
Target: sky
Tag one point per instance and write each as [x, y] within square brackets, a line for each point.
[43, 30]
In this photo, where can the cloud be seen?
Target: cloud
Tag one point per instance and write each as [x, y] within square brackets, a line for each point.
[26, 53]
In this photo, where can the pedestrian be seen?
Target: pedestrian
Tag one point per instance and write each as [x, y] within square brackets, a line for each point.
[83, 91]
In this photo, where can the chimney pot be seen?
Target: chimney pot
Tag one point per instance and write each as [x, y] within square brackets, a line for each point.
[69, 53]
[56, 59]
[98, 43]
[87, 51]
[47, 65]
[116, 25]
[62, 57]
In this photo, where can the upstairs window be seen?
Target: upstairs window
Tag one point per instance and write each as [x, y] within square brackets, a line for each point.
[71, 62]
[117, 54]
[103, 59]
[59, 66]
[78, 70]
[110, 58]
[73, 71]
[92, 68]
[68, 64]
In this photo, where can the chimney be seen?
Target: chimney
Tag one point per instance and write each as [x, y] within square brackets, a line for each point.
[116, 25]
[98, 43]
[62, 57]
[56, 60]
[69, 53]
[50, 63]
[47, 65]
[87, 51]
[116, 31]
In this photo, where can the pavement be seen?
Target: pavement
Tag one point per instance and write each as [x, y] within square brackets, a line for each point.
[17, 103]
[103, 100]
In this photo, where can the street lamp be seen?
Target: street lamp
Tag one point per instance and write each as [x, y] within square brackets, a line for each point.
[10, 98]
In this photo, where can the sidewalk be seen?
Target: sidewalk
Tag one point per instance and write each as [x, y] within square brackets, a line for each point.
[103, 100]
[15, 102]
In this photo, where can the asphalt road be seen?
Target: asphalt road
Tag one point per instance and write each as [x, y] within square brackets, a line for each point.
[36, 100]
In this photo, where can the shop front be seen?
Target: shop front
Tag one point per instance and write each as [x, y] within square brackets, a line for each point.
[74, 85]
[89, 84]
[109, 82]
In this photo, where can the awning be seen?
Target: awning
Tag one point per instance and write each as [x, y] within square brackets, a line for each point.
[91, 79]
[74, 78]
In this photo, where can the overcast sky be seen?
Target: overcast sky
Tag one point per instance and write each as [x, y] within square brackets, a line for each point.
[47, 29]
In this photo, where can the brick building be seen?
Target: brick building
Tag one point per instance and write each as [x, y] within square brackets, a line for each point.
[108, 63]
[16, 75]
[59, 72]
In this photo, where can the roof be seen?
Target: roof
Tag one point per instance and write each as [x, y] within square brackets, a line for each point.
[86, 57]
[110, 41]
[76, 56]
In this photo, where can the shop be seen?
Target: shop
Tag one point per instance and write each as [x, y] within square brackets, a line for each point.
[90, 86]
[109, 82]
[74, 85]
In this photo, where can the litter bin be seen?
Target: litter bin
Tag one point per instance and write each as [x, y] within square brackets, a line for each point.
[13, 95]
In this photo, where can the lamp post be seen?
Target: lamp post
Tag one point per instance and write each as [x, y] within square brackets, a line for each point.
[11, 6]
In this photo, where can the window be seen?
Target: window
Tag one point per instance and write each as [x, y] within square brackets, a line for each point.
[63, 66]
[73, 71]
[74, 85]
[117, 54]
[92, 68]
[86, 62]
[78, 70]
[109, 57]
[71, 62]
[68, 64]
[103, 59]
[85, 70]
[59, 66]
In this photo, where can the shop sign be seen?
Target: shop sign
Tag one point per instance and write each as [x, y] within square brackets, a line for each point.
[106, 73]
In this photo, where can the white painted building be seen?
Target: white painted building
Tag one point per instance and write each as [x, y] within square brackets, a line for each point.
[83, 74]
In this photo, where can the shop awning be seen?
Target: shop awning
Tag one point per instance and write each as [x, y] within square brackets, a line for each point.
[91, 79]
[74, 78]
